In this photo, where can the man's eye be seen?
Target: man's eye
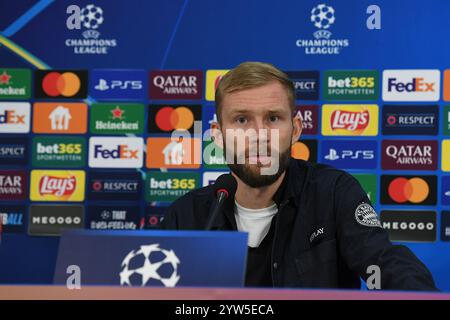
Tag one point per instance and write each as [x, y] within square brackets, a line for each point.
[274, 118]
[241, 120]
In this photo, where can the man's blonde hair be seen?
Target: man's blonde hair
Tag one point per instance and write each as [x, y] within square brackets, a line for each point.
[250, 75]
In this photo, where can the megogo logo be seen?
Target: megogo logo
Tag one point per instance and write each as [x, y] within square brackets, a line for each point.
[354, 120]
[14, 117]
[418, 226]
[54, 185]
[51, 219]
[411, 85]
[112, 152]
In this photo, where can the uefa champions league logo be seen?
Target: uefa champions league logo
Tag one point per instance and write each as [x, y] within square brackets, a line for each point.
[90, 18]
[150, 265]
[322, 17]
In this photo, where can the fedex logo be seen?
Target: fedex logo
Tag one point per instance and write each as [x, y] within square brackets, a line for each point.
[416, 84]
[14, 117]
[411, 85]
[10, 116]
[121, 152]
[113, 152]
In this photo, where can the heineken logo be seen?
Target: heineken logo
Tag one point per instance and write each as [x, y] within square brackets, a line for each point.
[15, 83]
[117, 118]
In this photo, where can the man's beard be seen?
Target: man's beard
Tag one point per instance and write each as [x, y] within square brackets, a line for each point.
[256, 179]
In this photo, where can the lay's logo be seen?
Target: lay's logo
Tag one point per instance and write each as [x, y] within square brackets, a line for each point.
[350, 120]
[57, 185]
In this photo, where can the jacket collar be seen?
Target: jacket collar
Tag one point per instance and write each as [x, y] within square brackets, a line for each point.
[289, 191]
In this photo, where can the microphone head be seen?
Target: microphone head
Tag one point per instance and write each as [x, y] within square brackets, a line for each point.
[225, 183]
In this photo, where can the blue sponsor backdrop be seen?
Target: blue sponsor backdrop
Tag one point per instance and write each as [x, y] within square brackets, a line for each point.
[202, 35]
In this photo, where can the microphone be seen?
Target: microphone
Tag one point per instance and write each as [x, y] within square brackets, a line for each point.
[224, 188]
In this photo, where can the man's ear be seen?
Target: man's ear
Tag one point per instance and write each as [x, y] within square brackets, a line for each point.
[216, 134]
[297, 128]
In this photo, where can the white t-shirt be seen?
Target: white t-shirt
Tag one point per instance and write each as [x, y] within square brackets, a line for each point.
[254, 221]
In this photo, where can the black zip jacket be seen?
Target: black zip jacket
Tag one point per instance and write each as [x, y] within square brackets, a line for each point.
[326, 232]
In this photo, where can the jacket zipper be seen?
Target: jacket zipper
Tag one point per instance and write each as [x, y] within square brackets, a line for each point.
[282, 205]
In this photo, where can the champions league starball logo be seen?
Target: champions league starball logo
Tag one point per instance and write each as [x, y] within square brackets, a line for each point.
[322, 17]
[90, 18]
[150, 265]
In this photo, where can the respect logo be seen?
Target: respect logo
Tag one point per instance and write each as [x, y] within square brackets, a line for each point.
[57, 185]
[349, 120]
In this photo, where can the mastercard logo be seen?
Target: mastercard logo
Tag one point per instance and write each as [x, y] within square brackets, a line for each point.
[169, 118]
[300, 151]
[65, 84]
[414, 190]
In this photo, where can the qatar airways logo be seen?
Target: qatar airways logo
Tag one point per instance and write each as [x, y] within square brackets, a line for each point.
[409, 155]
[349, 120]
[57, 186]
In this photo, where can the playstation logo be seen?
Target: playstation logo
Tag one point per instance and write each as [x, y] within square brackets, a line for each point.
[332, 155]
[102, 85]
